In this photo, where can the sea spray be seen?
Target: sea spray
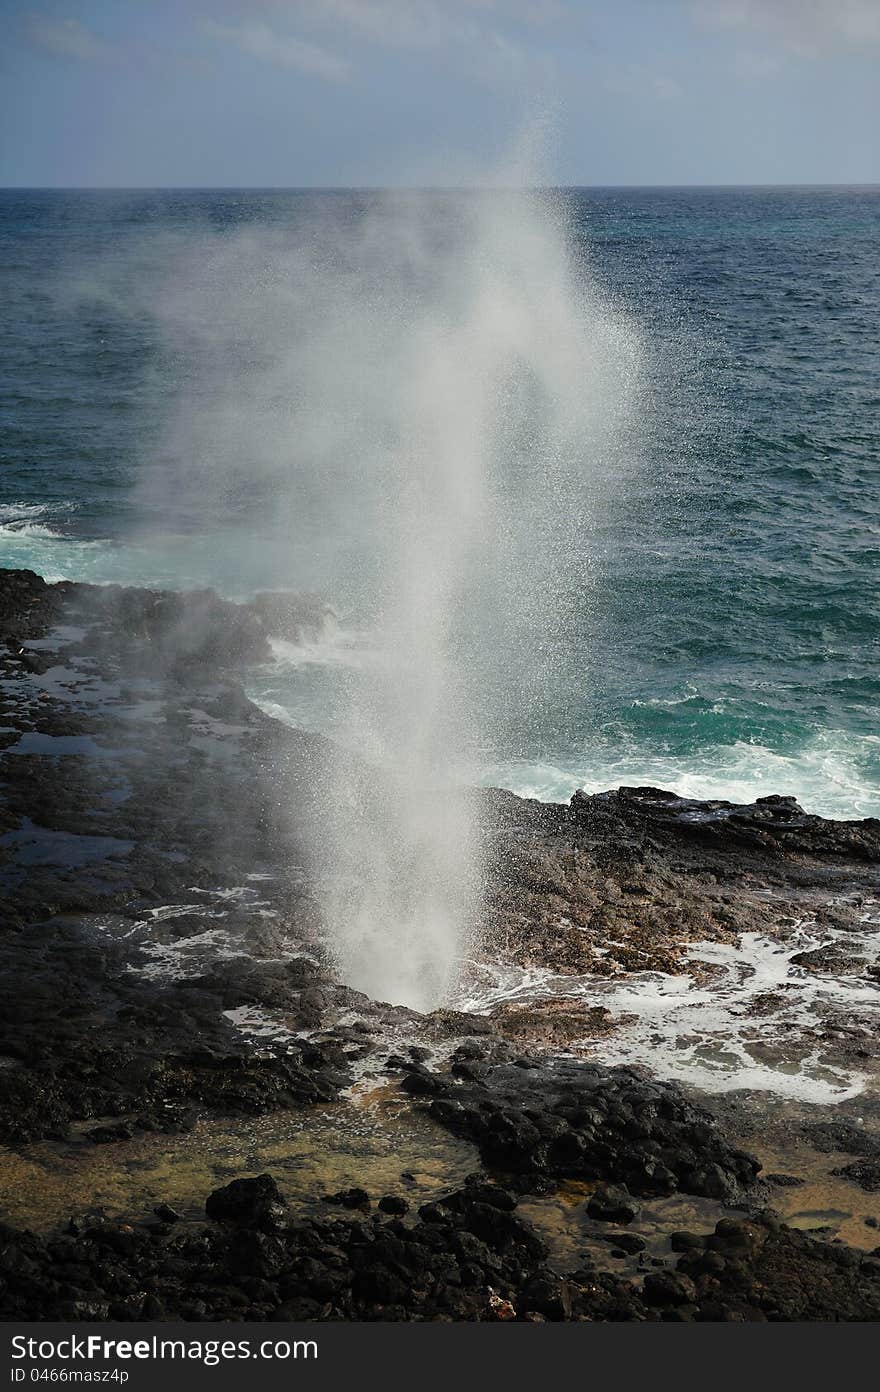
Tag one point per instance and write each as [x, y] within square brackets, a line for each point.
[509, 385]
[429, 394]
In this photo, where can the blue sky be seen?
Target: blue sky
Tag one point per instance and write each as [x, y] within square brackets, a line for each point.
[366, 92]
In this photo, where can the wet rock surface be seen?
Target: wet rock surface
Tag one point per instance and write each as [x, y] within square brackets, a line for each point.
[571, 1120]
[161, 962]
[129, 865]
[627, 879]
[248, 1203]
[469, 1257]
[865, 1173]
[710, 937]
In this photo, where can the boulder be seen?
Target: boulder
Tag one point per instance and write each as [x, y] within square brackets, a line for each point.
[248, 1203]
[613, 1203]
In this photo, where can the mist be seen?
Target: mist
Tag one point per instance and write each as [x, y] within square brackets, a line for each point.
[408, 403]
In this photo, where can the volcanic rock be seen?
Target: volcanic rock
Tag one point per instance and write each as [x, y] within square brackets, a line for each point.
[249, 1203]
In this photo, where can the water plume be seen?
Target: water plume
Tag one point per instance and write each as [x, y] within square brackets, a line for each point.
[409, 402]
[503, 387]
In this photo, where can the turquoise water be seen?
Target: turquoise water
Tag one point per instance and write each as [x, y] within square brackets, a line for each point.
[728, 641]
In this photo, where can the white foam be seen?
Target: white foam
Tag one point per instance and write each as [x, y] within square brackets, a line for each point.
[261, 1027]
[59, 637]
[704, 1033]
[333, 647]
[187, 957]
[827, 776]
[196, 953]
[20, 520]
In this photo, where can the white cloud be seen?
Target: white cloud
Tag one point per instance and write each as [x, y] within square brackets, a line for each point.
[287, 51]
[396, 23]
[65, 38]
[491, 40]
[806, 27]
[428, 23]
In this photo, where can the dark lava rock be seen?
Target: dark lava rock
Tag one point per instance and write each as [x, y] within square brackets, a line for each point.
[349, 1198]
[669, 1288]
[103, 1135]
[567, 1119]
[770, 824]
[422, 1084]
[391, 1203]
[478, 1190]
[468, 1257]
[785, 1181]
[550, 1296]
[762, 1270]
[299, 1310]
[829, 959]
[640, 872]
[167, 1213]
[292, 616]
[179, 797]
[842, 1135]
[171, 802]
[249, 1203]
[686, 1242]
[738, 1233]
[611, 1204]
[865, 1173]
[180, 631]
[628, 1243]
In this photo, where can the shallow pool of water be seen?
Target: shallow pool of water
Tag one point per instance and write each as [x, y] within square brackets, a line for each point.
[370, 1141]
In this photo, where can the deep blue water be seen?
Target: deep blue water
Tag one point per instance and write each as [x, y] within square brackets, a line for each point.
[731, 644]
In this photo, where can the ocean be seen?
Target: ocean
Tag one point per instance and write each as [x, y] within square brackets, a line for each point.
[727, 644]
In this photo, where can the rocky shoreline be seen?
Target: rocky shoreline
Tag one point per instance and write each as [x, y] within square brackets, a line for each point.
[162, 970]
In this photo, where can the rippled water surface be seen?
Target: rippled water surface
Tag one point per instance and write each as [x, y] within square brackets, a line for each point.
[728, 640]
